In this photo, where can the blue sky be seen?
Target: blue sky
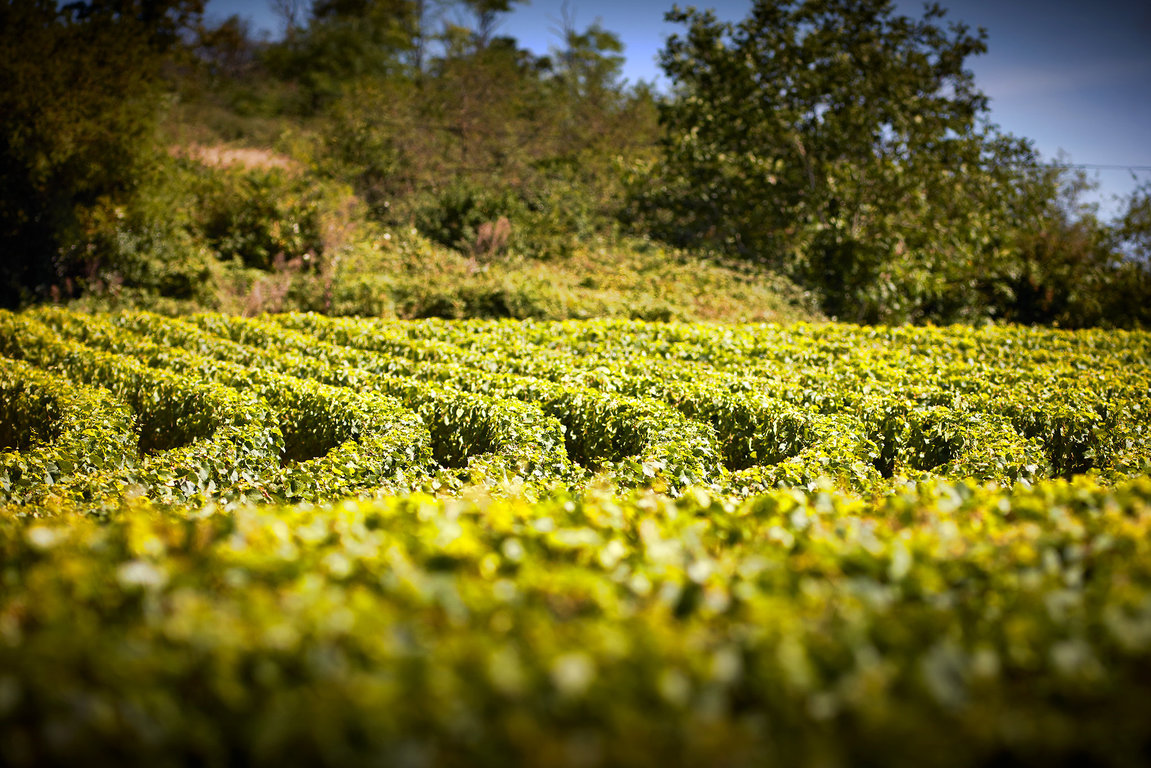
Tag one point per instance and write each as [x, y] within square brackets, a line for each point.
[1075, 77]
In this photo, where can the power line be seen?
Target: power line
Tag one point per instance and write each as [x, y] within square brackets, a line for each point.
[1102, 167]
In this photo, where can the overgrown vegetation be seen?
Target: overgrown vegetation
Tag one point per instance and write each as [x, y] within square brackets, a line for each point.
[839, 153]
[580, 543]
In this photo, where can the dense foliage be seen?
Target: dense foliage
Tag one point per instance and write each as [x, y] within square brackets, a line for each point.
[838, 152]
[309, 407]
[848, 146]
[978, 626]
[574, 544]
[78, 111]
[300, 539]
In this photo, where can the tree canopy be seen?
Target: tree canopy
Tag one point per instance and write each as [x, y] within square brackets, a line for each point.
[847, 146]
[76, 113]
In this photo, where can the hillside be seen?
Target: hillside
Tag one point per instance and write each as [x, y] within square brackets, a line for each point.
[248, 230]
[405, 160]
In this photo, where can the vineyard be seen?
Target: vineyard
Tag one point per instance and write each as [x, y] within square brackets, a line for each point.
[310, 540]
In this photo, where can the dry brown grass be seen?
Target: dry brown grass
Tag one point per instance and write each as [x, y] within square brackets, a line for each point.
[222, 156]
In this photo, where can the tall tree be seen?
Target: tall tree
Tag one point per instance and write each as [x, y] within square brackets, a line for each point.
[77, 111]
[590, 64]
[344, 41]
[834, 140]
[487, 17]
[1134, 226]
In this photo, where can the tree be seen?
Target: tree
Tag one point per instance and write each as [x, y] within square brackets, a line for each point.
[492, 131]
[487, 17]
[838, 142]
[590, 65]
[1134, 227]
[77, 111]
[226, 49]
[344, 41]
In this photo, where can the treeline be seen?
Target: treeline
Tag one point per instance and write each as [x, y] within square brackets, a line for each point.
[836, 145]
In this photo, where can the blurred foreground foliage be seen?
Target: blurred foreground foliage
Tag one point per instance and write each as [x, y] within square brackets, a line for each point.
[979, 625]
